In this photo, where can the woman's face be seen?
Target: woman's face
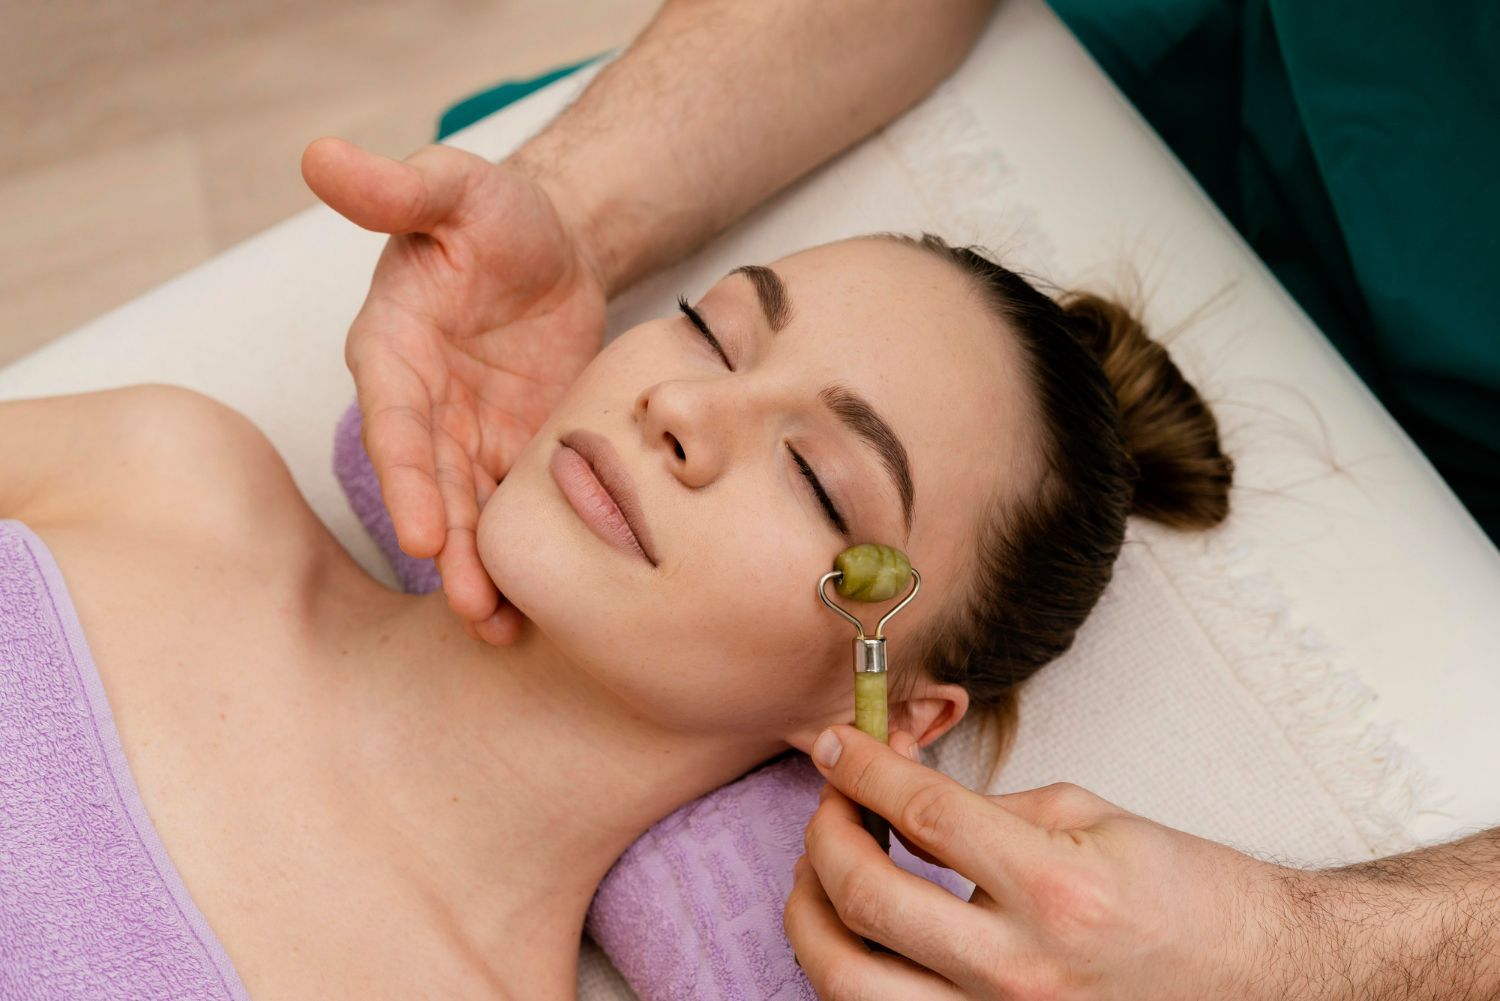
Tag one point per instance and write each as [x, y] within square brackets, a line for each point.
[725, 632]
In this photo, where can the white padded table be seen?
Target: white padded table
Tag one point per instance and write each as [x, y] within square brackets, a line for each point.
[1368, 545]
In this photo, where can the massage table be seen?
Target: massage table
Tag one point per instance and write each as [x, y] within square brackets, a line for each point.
[1347, 561]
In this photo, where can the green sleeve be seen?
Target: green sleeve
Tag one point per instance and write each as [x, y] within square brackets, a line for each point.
[1356, 147]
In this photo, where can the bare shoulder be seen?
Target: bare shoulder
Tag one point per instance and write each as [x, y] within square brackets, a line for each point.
[164, 459]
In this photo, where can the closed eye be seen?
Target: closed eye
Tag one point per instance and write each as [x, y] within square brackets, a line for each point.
[812, 478]
[823, 498]
[697, 321]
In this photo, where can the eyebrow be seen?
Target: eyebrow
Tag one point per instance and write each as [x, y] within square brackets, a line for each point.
[771, 291]
[852, 409]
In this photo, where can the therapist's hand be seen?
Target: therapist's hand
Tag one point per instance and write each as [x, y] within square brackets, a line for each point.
[483, 309]
[1075, 897]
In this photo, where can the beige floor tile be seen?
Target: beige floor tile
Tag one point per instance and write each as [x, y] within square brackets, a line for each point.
[83, 236]
[139, 137]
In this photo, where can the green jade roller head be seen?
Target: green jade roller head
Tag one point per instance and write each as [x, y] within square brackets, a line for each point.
[871, 572]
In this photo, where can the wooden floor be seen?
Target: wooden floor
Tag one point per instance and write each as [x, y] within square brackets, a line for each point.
[139, 137]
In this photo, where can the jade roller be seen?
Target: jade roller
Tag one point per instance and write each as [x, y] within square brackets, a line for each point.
[871, 572]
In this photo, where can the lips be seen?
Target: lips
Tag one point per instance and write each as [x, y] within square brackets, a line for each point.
[625, 524]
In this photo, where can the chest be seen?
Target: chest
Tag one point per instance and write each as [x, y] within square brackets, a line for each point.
[210, 664]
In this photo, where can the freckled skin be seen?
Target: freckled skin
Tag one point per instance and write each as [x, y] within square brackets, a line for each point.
[735, 523]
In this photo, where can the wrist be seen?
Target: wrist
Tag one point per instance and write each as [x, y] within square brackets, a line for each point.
[592, 227]
[1292, 935]
[627, 224]
[1261, 948]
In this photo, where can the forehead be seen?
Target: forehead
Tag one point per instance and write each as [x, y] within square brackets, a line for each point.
[911, 333]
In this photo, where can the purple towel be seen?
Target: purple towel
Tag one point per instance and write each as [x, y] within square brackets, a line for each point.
[91, 906]
[693, 909]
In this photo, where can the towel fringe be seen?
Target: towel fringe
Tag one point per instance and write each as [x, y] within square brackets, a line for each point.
[1319, 704]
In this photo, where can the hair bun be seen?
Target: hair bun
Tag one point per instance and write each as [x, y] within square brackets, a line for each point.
[1183, 474]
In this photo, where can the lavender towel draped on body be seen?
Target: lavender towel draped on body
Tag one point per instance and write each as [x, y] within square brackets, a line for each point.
[693, 909]
[91, 906]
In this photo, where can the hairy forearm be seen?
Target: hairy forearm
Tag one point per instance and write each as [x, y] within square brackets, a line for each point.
[720, 103]
[1424, 925]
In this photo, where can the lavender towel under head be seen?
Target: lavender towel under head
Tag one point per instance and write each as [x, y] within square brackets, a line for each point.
[91, 905]
[693, 909]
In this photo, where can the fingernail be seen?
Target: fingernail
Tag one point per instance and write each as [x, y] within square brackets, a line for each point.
[914, 752]
[826, 749]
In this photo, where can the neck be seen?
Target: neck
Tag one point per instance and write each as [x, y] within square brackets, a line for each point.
[508, 780]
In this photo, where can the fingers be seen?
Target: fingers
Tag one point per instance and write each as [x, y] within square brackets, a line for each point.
[905, 744]
[388, 196]
[471, 592]
[966, 831]
[484, 484]
[838, 963]
[397, 414]
[503, 628]
[879, 900]
[426, 480]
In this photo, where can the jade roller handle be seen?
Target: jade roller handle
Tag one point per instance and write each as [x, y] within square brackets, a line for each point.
[870, 718]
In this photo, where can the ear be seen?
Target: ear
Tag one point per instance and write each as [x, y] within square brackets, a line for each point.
[934, 711]
[930, 714]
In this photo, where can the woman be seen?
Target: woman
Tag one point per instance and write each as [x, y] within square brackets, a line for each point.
[364, 801]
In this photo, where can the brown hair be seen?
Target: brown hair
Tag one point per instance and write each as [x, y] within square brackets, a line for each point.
[1121, 432]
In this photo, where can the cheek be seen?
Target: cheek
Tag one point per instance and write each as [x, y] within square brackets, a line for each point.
[756, 650]
[702, 654]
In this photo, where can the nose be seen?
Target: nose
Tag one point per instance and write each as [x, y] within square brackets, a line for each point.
[684, 421]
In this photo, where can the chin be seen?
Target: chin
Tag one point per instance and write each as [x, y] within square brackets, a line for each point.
[518, 547]
[542, 558]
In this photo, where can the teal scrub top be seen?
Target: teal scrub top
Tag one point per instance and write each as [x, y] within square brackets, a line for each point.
[1356, 146]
